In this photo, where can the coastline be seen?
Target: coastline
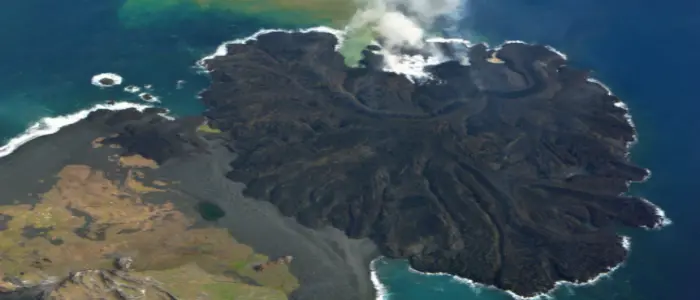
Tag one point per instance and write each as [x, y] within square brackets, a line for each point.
[337, 250]
[659, 217]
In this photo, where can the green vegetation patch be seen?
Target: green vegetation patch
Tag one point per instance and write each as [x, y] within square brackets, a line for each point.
[206, 128]
[210, 211]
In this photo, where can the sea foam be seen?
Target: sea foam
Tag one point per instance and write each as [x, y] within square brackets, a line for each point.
[51, 125]
[132, 89]
[383, 290]
[660, 213]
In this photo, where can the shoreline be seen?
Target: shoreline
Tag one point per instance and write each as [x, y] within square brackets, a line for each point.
[660, 218]
[51, 125]
[322, 236]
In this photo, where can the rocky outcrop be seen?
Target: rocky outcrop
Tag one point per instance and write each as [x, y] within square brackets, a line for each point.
[150, 134]
[509, 171]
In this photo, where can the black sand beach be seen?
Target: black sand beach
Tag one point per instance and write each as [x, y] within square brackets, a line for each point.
[328, 264]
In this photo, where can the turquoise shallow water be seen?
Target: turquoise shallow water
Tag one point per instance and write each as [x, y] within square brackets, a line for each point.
[52, 49]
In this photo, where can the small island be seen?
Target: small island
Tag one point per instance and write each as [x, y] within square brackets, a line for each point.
[511, 171]
[105, 80]
[148, 97]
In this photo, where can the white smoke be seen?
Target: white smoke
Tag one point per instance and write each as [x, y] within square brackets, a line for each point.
[404, 22]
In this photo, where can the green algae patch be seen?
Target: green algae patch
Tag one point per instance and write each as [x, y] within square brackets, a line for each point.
[291, 12]
[283, 13]
[356, 40]
[138, 13]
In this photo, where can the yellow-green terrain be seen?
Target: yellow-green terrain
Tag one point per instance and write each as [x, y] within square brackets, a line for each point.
[86, 220]
[326, 12]
[206, 128]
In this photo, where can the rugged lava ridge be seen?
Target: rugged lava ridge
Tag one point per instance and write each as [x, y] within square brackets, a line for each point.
[508, 172]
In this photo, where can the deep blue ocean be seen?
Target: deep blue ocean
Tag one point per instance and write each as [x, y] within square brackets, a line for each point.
[645, 51]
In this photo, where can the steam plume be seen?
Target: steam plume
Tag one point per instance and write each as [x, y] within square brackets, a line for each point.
[403, 23]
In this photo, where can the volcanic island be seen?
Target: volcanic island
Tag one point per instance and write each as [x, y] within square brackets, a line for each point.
[511, 171]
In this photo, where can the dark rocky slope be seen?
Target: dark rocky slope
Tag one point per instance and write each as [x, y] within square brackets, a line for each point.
[510, 174]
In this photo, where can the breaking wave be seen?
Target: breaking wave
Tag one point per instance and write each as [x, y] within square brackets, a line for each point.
[51, 125]
[412, 66]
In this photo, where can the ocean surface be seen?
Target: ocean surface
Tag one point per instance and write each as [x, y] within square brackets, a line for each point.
[645, 51]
